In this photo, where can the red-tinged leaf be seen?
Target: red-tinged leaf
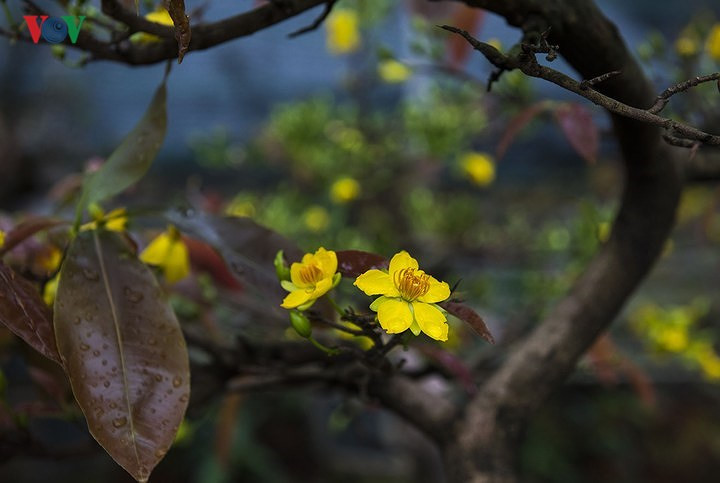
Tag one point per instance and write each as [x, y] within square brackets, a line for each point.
[24, 312]
[469, 19]
[176, 9]
[248, 248]
[469, 316]
[353, 263]
[26, 229]
[580, 129]
[204, 258]
[517, 124]
[122, 349]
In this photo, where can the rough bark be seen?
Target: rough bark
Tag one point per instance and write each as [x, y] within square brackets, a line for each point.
[488, 434]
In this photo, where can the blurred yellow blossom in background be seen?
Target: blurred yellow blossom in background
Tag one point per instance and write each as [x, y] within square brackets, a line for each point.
[393, 71]
[344, 190]
[316, 218]
[479, 167]
[160, 16]
[343, 34]
[713, 42]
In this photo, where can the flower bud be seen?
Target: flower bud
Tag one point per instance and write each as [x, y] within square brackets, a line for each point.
[281, 268]
[300, 323]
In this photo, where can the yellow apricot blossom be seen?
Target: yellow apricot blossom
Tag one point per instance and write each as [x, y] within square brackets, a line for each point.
[408, 298]
[713, 42]
[393, 72]
[343, 34]
[116, 220]
[170, 253]
[316, 218]
[2, 238]
[686, 46]
[479, 167]
[161, 16]
[344, 190]
[310, 279]
[50, 290]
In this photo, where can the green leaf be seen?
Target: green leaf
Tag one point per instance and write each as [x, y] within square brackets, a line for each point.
[122, 349]
[23, 311]
[132, 159]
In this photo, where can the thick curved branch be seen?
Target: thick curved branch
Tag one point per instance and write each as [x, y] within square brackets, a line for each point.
[204, 36]
[539, 363]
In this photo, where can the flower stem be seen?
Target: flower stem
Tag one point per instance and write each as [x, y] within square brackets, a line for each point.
[335, 305]
[328, 350]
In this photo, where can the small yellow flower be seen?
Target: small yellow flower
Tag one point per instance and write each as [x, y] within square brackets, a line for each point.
[160, 16]
[168, 252]
[343, 34]
[310, 279]
[393, 72]
[408, 298]
[479, 167]
[2, 238]
[116, 220]
[344, 190]
[316, 218]
[50, 259]
[713, 42]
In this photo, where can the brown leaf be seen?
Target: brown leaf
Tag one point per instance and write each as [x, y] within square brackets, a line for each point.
[123, 351]
[26, 229]
[580, 129]
[353, 263]
[517, 124]
[468, 315]
[176, 9]
[23, 311]
[248, 248]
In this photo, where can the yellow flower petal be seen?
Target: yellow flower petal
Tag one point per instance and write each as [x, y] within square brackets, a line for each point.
[177, 264]
[479, 167]
[431, 320]
[394, 315]
[2, 238]
[322, 287]
[156, 252]
[344, 190]
[327, 260]
[295, 299]
[437, 292]
[376, 282]
[402, 260]
[50, 290]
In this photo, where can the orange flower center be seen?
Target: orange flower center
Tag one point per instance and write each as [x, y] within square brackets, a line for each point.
[410, 284]
[310, 274]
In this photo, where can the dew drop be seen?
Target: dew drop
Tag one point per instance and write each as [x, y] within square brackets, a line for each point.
[90, 274]
[184, 398]
[113, 405]
[84, 346]
[96, 353]
[132, 295]
[158, 377]
[119, 422]
[177, 381]
[160, 453]
[104, 362]
[106, 383]
[78, 320]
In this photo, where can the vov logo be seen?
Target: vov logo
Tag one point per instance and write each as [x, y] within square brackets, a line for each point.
[54, 29]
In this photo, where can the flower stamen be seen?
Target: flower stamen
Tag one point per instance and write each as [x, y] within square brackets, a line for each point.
[310, 274]
[410, 284]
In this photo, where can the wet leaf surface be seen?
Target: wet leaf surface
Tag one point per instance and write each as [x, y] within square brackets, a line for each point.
[123, 351]
[353, 263]
[23, 311]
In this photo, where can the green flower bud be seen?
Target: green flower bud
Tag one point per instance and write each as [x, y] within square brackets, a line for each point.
[301, 324]
[281, 268]
[58, 51]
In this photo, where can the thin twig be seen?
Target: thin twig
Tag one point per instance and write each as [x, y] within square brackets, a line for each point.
[318, 21]
[664, 98]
